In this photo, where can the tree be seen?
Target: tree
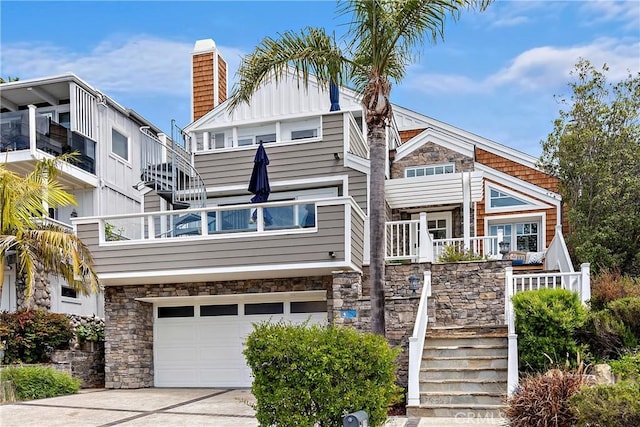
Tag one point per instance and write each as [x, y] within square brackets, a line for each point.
[378, 47]
[594, 149]
[25, 233]
[9, 79]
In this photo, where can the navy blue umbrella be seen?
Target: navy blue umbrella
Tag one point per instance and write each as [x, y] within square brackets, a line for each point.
[259, 182]
[334, 96]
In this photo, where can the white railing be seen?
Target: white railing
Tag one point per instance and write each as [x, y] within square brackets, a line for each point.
[484, 246]
[409, 240]
[416, 343]
[557, 257]
[578, 282]
[54, 222]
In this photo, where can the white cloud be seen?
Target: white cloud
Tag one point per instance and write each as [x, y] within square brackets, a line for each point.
[626, 12]
[141, 64]
[537, 69]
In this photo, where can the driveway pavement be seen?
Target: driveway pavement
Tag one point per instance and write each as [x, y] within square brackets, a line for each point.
[159, 407]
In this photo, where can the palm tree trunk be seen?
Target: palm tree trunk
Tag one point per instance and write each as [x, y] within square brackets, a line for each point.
[377, 217]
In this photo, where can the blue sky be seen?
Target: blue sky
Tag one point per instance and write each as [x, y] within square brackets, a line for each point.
[495, 74]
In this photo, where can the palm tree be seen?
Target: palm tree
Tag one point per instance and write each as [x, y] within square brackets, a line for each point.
[25, 232]
[378, 47]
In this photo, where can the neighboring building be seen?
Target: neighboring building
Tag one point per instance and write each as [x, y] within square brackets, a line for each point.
[183, 287]
[46, 117]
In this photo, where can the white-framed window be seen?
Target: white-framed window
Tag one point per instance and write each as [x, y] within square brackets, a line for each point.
[522, 232]
[438, 224]
[119, 144]
[427, 170]
[68, 292]
[502, 199]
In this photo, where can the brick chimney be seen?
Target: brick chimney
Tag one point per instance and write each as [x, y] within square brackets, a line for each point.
[208, 77]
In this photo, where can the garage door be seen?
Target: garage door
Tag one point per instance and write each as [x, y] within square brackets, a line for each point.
[200, 344]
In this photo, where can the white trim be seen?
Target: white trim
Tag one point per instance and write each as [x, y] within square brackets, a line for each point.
[114, 155]
[338, 179]
[517, 218]
[425, 167]
[319, 295]
[357, 163]
[533, 204]
[222, 273]
[520, 185]
[347, 233]
[435, 216]
[437, 137]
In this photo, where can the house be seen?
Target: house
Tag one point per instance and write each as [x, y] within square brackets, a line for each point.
[46, 117]
[185, 279]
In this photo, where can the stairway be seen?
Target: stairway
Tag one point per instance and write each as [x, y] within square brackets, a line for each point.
[463, 372]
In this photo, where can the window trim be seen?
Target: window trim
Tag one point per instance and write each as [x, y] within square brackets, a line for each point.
[113, 153]
[539, 217]
[446, 215]
[425, 167]
[533, 204]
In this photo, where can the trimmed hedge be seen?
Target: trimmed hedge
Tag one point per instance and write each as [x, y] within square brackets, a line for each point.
[546, 321]
[38, 382]
[614, 405]
[312, 375]
[31, 334]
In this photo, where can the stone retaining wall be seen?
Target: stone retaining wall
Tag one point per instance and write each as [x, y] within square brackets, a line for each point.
[88, 365]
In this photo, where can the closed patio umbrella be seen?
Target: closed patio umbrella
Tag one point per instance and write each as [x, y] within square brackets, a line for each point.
[259, 182]
[334, 96]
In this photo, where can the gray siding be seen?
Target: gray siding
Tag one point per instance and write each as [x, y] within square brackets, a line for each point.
[357, 145]
[357, 239]
[287, 162]
[152, 202]
[221, 253]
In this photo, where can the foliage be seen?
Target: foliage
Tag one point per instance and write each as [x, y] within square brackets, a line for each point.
[608, 405]
[24, 232]
[376, 50]
[627, 367]
[613, 331]
[611, 285]
[544, 399]
[594, 150]
[30, 334]
[453, 253]
[312, 375]
[39, 382]
[9, 79]
[546, 321]
[90, 332]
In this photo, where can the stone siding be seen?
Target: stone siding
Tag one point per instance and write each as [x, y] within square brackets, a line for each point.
[431, 154]
[88, 366]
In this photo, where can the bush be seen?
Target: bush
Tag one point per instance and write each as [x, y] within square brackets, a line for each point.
[610, 286]
[91, 332]
[31, 334]
[627, 367]
[38, 382]
[613, 331]
[608, 405]
[313, 376]
[452, 253]
[546, 320]
[543, 400]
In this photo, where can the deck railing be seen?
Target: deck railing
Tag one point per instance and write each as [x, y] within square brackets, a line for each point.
[409, 240]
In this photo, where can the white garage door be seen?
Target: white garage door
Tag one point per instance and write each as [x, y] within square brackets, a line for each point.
[200, 344]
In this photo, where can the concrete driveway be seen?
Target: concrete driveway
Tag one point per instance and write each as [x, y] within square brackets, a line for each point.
[159, 407]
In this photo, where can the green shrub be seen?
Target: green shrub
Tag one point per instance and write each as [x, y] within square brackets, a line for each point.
[90, 332]
[30, 335]
[615, 405]
[313, 376]
[543, 400]
[610, 286]
[613, 331]
[452, 253]
[38, 382]
[627, 367]
[546, 320]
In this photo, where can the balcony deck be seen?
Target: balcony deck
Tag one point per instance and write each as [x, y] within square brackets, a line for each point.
[174, 246]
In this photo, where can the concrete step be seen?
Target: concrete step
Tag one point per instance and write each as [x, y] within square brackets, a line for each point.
[465, 413]
[460, 398]
[464, 351]
[464, 386]
[464, 341]
[468, 331]
[427, 373]
[480, 362]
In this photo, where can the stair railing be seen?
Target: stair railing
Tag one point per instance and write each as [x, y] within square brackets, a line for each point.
[167, 166]
[416, 343]
[512, 337]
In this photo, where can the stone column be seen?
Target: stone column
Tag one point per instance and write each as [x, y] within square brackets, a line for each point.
[41, 297]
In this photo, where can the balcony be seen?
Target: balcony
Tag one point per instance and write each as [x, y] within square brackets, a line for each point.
[25, 131]
[238, 242]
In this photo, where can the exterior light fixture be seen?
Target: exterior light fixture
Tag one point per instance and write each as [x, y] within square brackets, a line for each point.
[414, 282]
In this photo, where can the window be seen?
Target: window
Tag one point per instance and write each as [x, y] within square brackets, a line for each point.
[271, 137]
[180, 311]
[303, 134]
[501, 199]
[119, 144]
[68, 292]
[308, 307]
[437, 227]
[429, 170]
[264, 308]
[64, 119]
[219, 310]
[525, 235]
[217, 140]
